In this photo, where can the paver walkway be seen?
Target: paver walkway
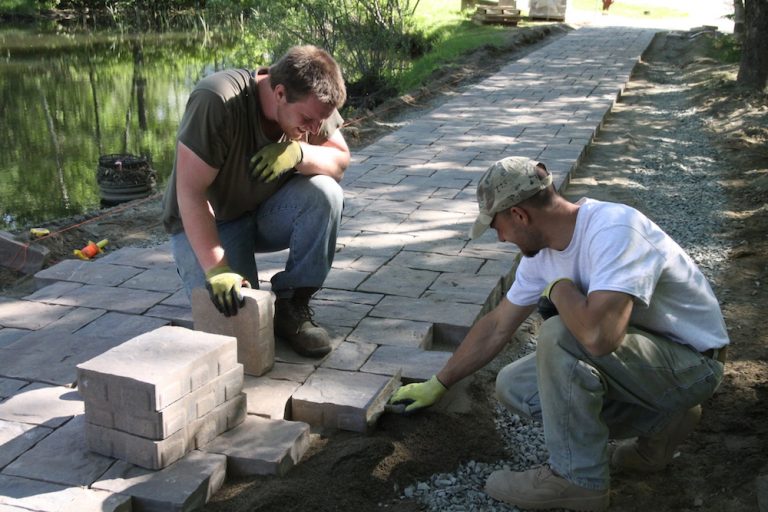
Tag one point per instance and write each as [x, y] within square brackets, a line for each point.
[405, 280]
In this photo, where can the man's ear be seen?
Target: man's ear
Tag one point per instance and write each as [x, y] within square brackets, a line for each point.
[520, 214]
[280, 93]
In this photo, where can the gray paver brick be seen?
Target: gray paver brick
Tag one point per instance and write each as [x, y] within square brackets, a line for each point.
[252, 326]
[155, 279]
[342, 314]
[412, 364]
[121, 326]
[53, 290]
[182, 487]
[159, 256]
[259, 446]
[33, 495]
[295, 372]
[269, 398]
[9, 387]
[398, 280]
[10, 335]
[154, 454]
[153, 370]
[38, 404]
[469, 288]
[161, 424]
[21, 256]
[24, 314]
[344, 400]
[424, 310]
[16, 438]
[62, 458]
[76, 319]
[349, 356]
[86, 272]
[51, 356]
[393, 331]
[180, 316]
[123, 300]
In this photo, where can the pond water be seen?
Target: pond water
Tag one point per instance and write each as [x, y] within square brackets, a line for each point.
[66, 100]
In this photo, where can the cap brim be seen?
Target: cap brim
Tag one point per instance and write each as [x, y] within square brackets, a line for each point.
[482, 223]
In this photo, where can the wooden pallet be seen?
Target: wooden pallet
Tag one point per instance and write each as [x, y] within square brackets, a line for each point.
[496, 15]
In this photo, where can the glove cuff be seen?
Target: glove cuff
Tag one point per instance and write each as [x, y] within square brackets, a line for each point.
[435, 383]
[548, 289]
[215, 271]
[301, 152]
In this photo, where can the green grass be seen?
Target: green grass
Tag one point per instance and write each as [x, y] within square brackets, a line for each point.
[628, 9]
[451, 34]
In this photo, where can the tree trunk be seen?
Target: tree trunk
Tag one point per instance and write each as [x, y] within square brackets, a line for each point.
[753, 70]
[738, 18]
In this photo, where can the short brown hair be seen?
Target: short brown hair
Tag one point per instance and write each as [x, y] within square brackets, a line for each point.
[305, 70]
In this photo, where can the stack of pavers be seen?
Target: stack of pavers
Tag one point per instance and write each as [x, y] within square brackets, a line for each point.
[162, 394]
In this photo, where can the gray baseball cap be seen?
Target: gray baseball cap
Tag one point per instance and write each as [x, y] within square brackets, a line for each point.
[505, 184]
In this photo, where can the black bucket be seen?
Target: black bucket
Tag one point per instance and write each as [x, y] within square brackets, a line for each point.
[123, 178]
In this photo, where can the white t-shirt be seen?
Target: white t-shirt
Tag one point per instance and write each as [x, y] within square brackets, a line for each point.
[615, 247]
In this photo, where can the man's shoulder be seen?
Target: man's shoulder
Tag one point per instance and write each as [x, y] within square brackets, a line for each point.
[225, 83]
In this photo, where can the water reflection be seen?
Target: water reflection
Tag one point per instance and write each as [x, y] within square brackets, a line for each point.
[65, 100]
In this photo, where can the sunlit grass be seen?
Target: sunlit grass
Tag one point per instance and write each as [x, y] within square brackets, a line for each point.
[629, 9]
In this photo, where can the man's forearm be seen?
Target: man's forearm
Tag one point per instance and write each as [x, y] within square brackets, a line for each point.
[326, 160]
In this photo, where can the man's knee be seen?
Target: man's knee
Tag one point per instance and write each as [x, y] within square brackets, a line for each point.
[327, 193]
[516, 387]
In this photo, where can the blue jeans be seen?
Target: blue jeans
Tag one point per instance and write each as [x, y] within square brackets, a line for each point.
[582, 400]
[303, 216]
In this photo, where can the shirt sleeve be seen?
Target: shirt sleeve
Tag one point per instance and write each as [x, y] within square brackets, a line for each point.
[624, 260]
[205, 129]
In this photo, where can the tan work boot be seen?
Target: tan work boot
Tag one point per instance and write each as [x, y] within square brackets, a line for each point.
[540, 488]
[654, 452]
[294, 323]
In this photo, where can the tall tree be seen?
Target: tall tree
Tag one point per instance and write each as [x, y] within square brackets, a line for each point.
[753, 69]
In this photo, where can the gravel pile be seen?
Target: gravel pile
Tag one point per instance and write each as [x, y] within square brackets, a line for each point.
[677, 183]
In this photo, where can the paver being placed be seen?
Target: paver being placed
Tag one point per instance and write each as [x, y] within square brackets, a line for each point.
[252, 326]
[344, 400]
[62, 458]
[34, 495]
[260, 446]
[153, 370]
[181, 487]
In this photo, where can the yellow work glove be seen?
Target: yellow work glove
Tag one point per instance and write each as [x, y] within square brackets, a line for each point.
[274, 160]
[419, 395]
[224, 287]
[546, 307]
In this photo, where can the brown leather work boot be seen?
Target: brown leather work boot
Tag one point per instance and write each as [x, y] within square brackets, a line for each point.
[294, 324]
[540, 488]
[654, 452]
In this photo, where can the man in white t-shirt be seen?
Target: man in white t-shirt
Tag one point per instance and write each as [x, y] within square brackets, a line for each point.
[633, 338]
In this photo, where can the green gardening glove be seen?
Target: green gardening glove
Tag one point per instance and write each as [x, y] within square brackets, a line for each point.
[224, 288]
[419, 395]
[545, 306]
[274, 160]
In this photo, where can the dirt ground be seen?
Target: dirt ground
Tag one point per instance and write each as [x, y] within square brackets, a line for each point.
[718, 464]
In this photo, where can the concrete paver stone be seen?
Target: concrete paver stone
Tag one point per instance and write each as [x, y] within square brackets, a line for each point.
[62, 458]
[21, 256]
[161, 424]
[269, 398]
[16, 438]
[121, 326]
[252, 326]
[23, 314]
[86, 272]
[412, 364]
[24, 494]
[154, 454]
[9, 387]
[349, 356]
[393, 331]
[153, 370]
[181, 487]
[40, 404]
[112, 298]
[260, 446]
[344, 400]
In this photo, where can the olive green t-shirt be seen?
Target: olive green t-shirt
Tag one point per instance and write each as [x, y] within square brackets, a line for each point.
[222, 126]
